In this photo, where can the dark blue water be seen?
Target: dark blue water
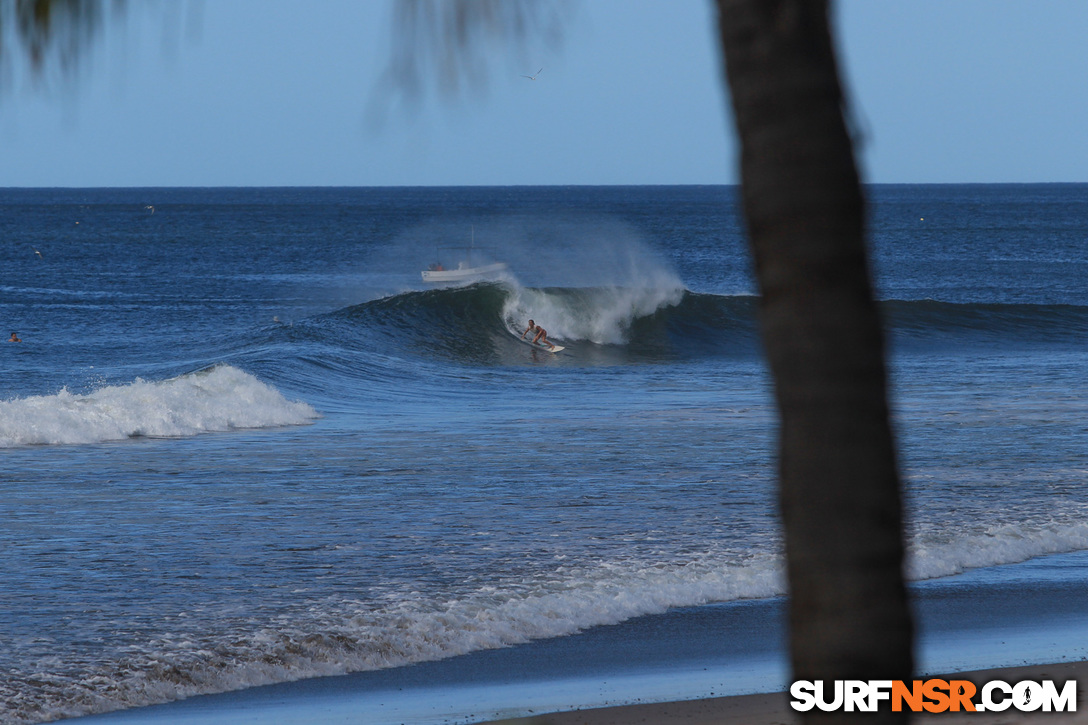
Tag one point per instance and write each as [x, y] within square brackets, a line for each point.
[244, 442]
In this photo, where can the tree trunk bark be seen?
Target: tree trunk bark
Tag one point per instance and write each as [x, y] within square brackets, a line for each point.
[839, 483]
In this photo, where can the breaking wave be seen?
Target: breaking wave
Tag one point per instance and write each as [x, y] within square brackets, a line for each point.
[221, 398]
[338, 635]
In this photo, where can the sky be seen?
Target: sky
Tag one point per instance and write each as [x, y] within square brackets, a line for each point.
[284, 93]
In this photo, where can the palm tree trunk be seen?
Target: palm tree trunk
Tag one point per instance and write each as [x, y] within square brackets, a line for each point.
[839, 484]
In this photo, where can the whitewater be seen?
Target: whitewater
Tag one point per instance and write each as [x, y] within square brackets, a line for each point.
[219, 399]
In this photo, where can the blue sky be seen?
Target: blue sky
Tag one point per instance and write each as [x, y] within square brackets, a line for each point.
[277, 92]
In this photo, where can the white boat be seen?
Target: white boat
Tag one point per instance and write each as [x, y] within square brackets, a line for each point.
[465, 271]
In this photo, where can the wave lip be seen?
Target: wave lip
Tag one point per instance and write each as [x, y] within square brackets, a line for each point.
[221, 398]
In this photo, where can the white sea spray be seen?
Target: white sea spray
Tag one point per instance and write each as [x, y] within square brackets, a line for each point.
[603, 316]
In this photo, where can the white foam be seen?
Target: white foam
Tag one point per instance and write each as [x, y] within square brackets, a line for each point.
[333, 636]
[337, 636]
[603, 315]
[218, 399]
[933, 552]
[590, 286]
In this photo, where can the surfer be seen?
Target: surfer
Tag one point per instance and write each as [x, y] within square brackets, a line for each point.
[541, 334]
[14, 338]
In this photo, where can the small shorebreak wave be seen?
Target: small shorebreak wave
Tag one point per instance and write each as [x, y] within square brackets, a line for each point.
[219, 398]
[340, 635]
[337, 636]
[933, 552]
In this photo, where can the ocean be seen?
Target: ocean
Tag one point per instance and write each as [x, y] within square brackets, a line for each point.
[243, 443]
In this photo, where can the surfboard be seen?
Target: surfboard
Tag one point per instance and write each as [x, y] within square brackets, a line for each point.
[542, 346]
[538, 345]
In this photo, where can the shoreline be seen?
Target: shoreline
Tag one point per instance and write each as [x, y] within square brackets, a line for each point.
[690, 660]
[770, 708]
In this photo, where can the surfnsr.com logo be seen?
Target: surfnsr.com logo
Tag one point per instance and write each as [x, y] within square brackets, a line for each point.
[933, 695]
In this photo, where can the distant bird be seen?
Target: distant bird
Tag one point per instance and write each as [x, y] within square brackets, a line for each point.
[38, 253]
[533, 77]
[151, 208]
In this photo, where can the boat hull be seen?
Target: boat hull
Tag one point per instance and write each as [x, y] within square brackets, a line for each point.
[461, 274]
